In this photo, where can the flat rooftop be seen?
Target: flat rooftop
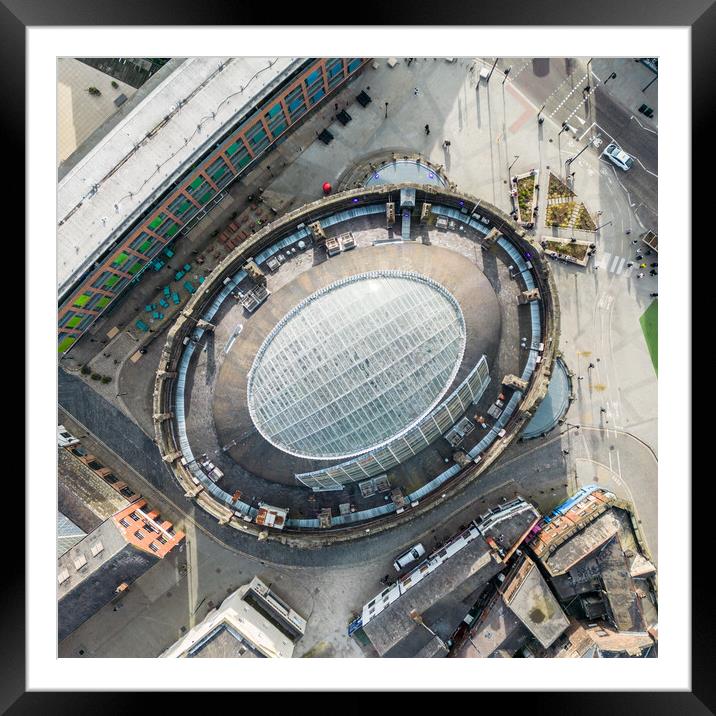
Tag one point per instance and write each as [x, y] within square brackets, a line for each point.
[534, 604]
[114, 183]
[78, 112]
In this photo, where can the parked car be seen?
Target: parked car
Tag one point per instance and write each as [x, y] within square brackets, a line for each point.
[415, 552]
[616, 155]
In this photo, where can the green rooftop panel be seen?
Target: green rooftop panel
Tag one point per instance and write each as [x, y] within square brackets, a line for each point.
[65, 344]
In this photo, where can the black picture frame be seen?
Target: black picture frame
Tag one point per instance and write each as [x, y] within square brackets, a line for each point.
[699, 15]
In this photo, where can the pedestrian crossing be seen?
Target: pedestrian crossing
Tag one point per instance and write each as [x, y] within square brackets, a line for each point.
[613, 264]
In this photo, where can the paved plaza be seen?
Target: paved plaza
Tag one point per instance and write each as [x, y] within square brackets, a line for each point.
[493, 134]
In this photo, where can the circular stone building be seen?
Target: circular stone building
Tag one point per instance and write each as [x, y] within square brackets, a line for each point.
[356, 360]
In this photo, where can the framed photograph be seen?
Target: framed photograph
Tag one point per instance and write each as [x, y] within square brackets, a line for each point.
[345, 345]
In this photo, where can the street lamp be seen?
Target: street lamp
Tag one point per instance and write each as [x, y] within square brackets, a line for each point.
[650, 83]
[118, 394]
[491, 69]
[540, 119]
[386, 110]
[568, 163]
[516, 156]
[507, 72]
[601, 226]
[611, 77]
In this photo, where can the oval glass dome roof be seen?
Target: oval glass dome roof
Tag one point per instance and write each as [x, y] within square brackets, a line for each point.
[356, 364]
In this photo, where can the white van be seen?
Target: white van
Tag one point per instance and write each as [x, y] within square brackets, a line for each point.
[415, 552]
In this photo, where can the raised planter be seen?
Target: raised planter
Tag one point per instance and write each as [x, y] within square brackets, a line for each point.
[557, 189]
[560, 214]
[575, 252]
[584, 220]
[524, 192]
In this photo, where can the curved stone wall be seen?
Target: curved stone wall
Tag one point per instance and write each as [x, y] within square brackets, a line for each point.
[196, 317]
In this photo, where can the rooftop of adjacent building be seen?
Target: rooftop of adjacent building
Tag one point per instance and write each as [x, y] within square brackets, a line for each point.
[527, 594]
[441, 594]
[79, 113]
[68, 534]
[83, 496]
[496, 633]
[589, 640]
[594, 557]
[234, 629]
[118, 177]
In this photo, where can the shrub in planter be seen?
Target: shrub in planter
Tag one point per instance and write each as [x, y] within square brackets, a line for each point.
[96, 376]
[214, 233]
[86, 370]
[94, 91]
[115, 85]
[106, 379]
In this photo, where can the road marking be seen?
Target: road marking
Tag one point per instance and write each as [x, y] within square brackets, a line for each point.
[571, 92]
[613, 263]
[648, 129]
[526, 115]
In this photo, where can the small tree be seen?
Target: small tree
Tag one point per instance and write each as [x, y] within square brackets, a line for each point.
[86, 370]
[115, 85]
[94, 91]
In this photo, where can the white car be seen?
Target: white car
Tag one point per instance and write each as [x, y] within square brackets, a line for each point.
[616, 155]
[415, 552]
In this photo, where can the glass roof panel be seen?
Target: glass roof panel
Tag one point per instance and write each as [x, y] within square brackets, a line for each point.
[356, 364]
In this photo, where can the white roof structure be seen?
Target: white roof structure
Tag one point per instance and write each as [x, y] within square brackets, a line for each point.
[355, 364]
[244, 620]
[120, 177]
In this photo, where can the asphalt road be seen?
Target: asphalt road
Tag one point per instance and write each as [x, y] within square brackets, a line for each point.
[126, 440]
[557, 85]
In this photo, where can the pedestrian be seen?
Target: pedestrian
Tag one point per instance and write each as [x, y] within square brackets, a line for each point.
[591, 365]
[654, 265]
[648, 253]
[416, 91]
[446, 143]
[634, 241]
[427, 129]
[602, 410]
[642, 265]
[580, 377]
[627, 232]
[566, 452]
[630, 264]
[639, 257]
[640, 274]
[653, 272]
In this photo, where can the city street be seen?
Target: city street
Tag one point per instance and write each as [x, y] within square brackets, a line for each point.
[494, 134]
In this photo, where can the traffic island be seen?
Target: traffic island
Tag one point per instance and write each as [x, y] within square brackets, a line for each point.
[557, 189]
[584, 221]
[560, 215]
[575, 252]
[524, 191]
